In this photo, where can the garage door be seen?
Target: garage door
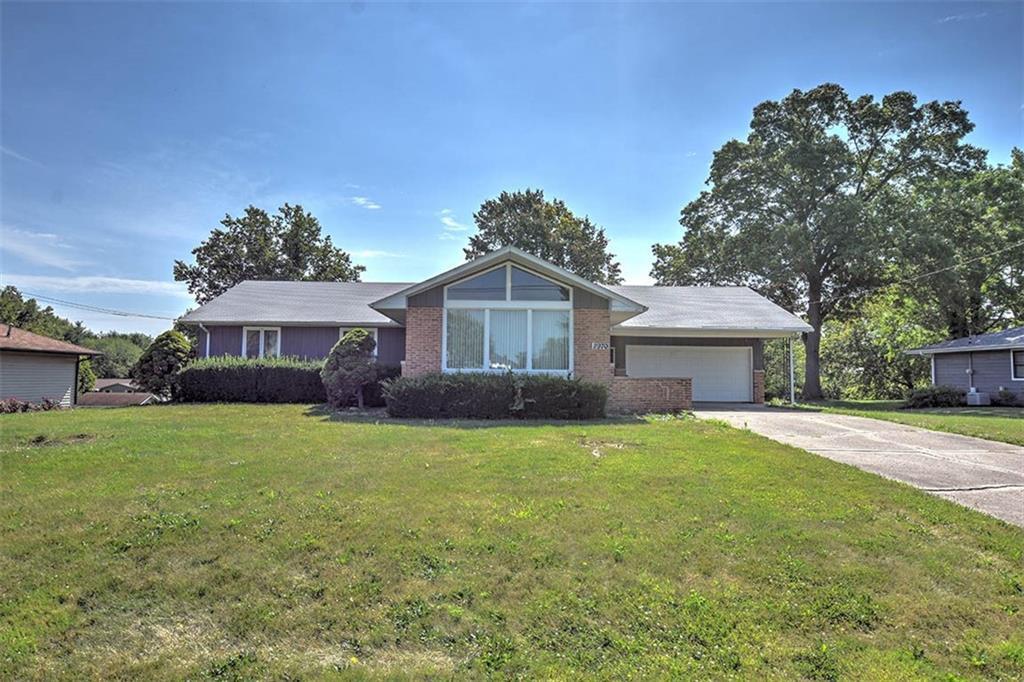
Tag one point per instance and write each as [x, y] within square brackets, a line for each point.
[720, 374]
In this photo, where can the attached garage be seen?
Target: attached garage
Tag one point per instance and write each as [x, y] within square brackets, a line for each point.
[719, 373]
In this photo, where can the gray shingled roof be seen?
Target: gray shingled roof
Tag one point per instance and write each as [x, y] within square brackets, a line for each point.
[1008, 338]
[347, 303]
[707, 308]
[300, 303]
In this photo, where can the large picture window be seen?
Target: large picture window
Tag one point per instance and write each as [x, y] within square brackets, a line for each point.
[508, 319]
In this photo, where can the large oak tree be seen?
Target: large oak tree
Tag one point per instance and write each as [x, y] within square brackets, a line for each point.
[287, 245]
[803, 210]
[546, 229]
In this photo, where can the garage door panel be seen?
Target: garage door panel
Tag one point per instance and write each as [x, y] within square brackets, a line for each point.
[719, 373]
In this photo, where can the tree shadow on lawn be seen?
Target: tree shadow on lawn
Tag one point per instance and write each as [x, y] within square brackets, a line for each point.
[378, 415]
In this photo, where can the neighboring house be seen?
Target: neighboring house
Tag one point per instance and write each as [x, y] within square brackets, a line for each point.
[115, 386]
[987, 363]
[35, 367]
[655, 347]
[101, 399]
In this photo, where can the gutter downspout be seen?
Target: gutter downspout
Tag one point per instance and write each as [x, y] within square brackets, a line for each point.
[792, 379]
[206, 333]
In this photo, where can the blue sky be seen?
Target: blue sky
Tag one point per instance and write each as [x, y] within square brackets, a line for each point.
[129, 130]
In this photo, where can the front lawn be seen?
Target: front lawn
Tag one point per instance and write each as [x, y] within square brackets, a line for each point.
[1004, 424]
[224, 541]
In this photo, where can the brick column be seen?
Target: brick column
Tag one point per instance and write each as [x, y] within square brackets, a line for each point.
[759, 386]
[591, 326]
[422, 341]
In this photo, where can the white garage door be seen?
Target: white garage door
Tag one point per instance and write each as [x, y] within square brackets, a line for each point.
[720, 374]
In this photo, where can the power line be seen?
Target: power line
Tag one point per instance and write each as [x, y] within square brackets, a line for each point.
[923, 275]
[96, 309]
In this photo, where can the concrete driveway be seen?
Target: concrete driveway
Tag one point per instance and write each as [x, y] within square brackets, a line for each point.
[981, 474]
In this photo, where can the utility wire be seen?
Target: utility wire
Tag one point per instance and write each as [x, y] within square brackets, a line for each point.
[96, 309]
[923, 275]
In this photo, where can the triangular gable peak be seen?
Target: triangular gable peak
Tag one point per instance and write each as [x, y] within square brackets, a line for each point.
[512, 276]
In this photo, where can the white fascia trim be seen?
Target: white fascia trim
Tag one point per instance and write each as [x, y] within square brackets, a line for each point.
[305, 323]
[398, 300]
[963, 349]
[679, 332]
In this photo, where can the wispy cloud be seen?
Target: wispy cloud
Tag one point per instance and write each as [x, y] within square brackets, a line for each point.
[970, 16]
[365, 202]
[96, 285]
[7, 151]
[374, 253]
[448, 236]
[39, 248]
[448, 220]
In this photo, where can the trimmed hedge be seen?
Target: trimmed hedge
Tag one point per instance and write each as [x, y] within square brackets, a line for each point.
[228, 379]
[936, 396]
[250, 380]
[494, 396]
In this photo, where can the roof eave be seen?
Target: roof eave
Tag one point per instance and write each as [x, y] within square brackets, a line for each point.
[963, 349]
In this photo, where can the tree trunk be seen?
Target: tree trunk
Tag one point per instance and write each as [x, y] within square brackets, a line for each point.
[812, 343]
[359, 398]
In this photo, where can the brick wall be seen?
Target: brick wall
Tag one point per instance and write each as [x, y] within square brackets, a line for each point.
[759, 386]
[634, 394]
[422, 341]
[591, 326]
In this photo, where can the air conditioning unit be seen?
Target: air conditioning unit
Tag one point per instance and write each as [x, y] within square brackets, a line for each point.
[978, 399]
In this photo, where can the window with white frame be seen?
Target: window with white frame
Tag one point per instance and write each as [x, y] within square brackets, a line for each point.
[506, 319]
[261, 342]
[1017, 365]
[373, 332]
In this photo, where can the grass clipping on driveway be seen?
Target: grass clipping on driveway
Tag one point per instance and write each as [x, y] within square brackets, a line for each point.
[248, 541]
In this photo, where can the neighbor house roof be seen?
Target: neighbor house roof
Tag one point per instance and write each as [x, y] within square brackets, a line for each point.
[107, 383]
[298, 303]
[706, 310]
[12, 338]
[1008, 338]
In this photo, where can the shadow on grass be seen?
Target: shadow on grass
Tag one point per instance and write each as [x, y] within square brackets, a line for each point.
[377, 415]
[897, 406]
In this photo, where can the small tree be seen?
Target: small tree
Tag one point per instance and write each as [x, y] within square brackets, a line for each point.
[158, 364]
[349, 368]
[86, 377]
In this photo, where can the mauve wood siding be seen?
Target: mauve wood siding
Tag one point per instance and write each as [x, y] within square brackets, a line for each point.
[991, 370]
[619, 343]
[390, 345]
[584, 300]
[313, 343]
[431, 298]
[224, 340]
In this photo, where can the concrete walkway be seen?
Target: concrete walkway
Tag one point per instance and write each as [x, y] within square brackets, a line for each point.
[981, 474]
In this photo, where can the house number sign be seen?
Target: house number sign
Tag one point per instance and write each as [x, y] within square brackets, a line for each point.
[600, 346]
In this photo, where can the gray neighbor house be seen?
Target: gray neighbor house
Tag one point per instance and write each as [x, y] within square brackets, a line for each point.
[654, 347]
[983, 365]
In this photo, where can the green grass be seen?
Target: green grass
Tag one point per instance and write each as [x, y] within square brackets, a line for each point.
[1004, 424]
[234, 542]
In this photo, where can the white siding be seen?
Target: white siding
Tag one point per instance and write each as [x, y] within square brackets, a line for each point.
[34, 376]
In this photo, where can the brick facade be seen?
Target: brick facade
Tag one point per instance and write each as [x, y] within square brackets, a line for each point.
[422, 341]
[759, 386]
[631, 394]
[591, 326]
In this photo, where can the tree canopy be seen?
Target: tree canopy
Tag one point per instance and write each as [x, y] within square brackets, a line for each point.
[546, 229]
[26, 313]
[802, 209]
[287, 245]
[155, 369]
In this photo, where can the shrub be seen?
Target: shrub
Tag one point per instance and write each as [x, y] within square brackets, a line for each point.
[1006, 398]
[494, 396]
[13, 405]
[86, 377]
[159, 364]
[250, 380]
[349, 368]
[936, 396]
